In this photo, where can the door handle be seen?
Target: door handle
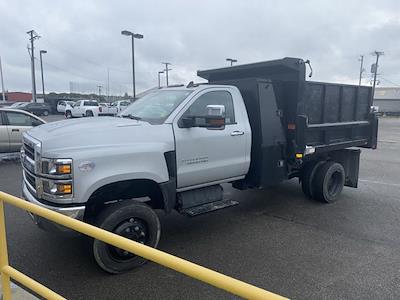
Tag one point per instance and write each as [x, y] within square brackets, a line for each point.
[14, 130]
[237, 132]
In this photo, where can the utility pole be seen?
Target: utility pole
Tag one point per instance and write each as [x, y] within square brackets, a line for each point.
[377, 54]
[2, 82]
[166, 70]
[41, 69]
[361, 59]
[33, 36]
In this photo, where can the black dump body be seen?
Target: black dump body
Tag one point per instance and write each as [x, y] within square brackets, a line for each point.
[288, 113]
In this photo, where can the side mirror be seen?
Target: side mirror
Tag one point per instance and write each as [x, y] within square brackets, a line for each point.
[214, 119]
[36, 123]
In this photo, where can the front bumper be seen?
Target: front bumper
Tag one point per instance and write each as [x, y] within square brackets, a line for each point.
[75, 212]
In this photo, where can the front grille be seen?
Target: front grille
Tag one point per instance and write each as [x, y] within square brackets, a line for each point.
[30, 179]
[29, 151]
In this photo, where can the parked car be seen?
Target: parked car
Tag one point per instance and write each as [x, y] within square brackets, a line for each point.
[89, 108]
[13, 123]
[121, 104]
[63, 104]
[17, 104]
[39, 109]
[252, 126]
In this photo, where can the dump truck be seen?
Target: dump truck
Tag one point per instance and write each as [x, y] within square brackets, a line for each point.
[251, 126]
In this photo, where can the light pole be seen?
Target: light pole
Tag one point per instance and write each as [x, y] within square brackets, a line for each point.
[133, 36]
[41, 69]
[231, 60]
[159, 82]
[166, 70]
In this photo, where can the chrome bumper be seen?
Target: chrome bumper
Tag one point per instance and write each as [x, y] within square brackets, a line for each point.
[76, 212]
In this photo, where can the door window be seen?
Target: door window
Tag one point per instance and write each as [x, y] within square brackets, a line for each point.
[19, 119]
[199, 107]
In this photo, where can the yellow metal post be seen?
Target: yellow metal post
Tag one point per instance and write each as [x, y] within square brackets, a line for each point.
[5, 278]
[211, 277]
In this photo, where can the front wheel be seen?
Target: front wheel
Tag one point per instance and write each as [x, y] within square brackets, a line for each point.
[46, 113]
[68, 114]
[133, 220]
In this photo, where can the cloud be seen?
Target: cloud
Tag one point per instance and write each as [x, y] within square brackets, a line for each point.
[83, 38]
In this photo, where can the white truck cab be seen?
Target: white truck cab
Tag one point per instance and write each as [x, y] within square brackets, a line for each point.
[167, 156]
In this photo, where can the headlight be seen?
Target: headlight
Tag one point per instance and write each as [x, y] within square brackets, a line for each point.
[57, 188]
[56, 166]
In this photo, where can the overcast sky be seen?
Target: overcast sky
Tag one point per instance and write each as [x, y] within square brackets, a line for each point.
[83, 39]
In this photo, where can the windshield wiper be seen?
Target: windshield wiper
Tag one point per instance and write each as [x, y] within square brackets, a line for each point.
[130, 116]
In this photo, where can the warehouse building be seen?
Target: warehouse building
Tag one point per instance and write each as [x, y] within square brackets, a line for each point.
[388, 100]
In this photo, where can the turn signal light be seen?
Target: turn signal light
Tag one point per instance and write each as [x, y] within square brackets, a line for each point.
[64, 169]
[64, 188]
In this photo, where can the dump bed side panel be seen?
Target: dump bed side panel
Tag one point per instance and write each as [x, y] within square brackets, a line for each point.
[334, 116]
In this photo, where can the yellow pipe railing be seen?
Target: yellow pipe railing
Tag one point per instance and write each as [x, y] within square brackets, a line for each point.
[211, 277]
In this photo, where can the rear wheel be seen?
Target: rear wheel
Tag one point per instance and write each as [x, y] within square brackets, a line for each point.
[133, 220]
[45, 113]
[307, 177]
[89, 113]
[329, 182]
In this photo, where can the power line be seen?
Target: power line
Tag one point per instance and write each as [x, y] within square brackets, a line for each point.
[391, 82]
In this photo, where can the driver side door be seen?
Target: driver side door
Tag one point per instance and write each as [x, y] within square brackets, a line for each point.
[205, 156]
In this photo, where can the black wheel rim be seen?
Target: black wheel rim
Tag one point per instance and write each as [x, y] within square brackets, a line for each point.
[335, 183]
[134, 229]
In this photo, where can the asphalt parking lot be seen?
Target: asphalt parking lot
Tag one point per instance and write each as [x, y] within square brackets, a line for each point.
[276, 239]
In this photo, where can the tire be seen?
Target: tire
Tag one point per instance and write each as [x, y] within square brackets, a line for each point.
[89, 113]
[307, 177]
[144, 227]
[45, 113]
[68, 114]
[329, 182]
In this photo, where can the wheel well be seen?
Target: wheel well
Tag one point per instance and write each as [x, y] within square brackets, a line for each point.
[126, 190]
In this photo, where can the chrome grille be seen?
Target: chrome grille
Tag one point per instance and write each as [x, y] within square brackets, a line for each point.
[29, 151]
[30, 179]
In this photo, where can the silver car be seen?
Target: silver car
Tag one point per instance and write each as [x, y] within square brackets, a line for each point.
[13, 122]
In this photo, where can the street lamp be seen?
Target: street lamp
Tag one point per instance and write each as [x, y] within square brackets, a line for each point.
[231, 60]
[133, 36]
[159, 83]
[41, 69]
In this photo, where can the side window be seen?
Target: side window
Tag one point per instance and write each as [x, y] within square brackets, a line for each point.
[18, 119]
[78, 103]
[90, 103]
[199, 107]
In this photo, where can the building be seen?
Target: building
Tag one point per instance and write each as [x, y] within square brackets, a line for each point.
[18, 97]
[388, 100]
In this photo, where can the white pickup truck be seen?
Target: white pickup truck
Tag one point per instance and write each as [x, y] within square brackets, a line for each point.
[88, 108]
[172, 149]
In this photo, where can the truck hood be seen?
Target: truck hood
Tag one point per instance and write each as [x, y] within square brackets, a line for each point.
[99, 132]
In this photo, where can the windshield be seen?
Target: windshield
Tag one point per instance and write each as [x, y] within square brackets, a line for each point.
[157, 106]
[16, 104]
